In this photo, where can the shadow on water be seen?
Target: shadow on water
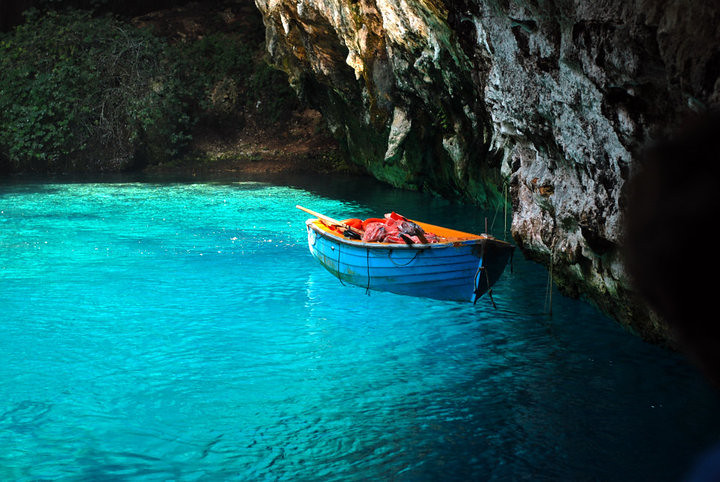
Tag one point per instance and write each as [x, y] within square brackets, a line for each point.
[364, 195]
[367, 197]
[193, 311]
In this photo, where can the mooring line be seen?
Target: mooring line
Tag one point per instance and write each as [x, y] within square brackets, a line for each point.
[549, 287]
[367, 262]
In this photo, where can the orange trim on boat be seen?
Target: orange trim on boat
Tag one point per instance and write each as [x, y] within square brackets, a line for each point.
[446, 235]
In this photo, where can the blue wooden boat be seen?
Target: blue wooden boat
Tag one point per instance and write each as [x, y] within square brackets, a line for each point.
[459, 267]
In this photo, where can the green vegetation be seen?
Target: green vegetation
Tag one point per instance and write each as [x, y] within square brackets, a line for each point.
[85, 93]
[75, 89]
[229, 82]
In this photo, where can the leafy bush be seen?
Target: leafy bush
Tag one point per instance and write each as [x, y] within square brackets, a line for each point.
[213, 69]
[79, 92]
[271, 96]
[84, 93]
[231, 81]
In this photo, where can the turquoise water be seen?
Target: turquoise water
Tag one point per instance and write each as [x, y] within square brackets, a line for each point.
[181, 331]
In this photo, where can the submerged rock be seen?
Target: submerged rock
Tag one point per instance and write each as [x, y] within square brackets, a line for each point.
[554, 100]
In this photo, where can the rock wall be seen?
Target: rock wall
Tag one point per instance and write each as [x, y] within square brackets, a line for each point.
[551, 101]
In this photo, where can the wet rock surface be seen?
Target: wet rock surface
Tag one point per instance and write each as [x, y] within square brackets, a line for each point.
[552, 102]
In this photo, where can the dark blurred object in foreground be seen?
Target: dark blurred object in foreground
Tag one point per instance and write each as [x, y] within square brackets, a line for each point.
[673, 207]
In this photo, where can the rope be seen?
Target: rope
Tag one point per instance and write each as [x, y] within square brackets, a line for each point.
[406, 264]
[476, 278]
[338, 266]
[492, 225]
[367, 262]
[505, 212]
[481, 269]
[476, 282]
[489, 291]
[547, 307]
[505, 191]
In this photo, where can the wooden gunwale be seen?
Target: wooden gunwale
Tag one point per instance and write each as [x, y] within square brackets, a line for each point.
[453, 237]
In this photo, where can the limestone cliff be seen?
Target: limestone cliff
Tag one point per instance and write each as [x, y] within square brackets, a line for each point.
[551, 99]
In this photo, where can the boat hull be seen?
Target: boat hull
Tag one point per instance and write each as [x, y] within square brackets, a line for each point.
[457, 271]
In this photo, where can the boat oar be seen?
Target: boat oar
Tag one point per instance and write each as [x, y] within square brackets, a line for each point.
[330, 221]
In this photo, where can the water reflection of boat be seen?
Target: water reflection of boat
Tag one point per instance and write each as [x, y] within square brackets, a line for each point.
[458, 266]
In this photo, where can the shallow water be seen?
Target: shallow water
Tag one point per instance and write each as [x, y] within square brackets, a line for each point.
[181, 330]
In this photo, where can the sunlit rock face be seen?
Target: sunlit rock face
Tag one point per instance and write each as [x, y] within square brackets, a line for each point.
[550, 102]
[395, 85]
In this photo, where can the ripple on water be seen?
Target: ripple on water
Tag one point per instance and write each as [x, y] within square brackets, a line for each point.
[182, 331]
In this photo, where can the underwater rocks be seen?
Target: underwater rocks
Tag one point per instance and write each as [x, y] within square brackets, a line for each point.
[548, 103]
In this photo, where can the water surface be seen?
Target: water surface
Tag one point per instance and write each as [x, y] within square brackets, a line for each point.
[181, 330]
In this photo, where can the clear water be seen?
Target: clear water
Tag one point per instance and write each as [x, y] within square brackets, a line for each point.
[155, 331]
